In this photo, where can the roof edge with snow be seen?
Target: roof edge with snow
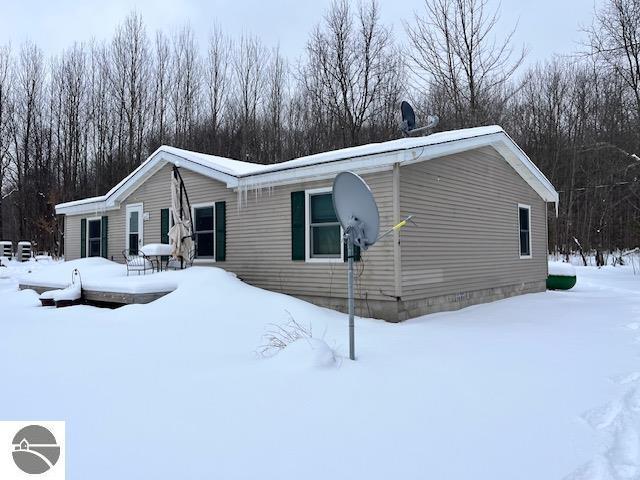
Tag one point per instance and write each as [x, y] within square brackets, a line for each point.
[365, 158]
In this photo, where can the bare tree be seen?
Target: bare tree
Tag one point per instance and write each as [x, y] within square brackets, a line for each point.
[5, 115]
[614, 40]
[349, 63]
[162, 86]
[217, 81]
[454, 52]
[27, 169]
[249, 58]
[185, 88]
[129, 85]
[276, 99]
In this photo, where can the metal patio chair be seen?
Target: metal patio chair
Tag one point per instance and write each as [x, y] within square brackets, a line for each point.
[137, 262]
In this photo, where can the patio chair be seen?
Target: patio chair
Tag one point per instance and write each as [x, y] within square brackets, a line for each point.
[137, 262]
[176, 264]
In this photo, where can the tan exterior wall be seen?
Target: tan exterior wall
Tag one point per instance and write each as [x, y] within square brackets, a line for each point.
[464, 249]
[467, 233]
[258, 236]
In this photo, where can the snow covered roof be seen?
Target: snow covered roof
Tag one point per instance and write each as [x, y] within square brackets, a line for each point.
[364, 158]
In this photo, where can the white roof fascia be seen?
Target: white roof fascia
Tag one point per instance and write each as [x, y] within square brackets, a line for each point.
[319, 177]
[381, 161]
[157, 160]
[161, 158]
[372, 162]
[526, 168]
[366, 164]
[93, 207]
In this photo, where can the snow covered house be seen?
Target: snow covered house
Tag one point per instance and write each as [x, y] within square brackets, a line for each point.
[479, 203]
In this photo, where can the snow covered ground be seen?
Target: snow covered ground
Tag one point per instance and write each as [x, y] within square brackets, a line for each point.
[543, 386]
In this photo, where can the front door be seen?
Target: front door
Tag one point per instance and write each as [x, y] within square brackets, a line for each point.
[134, 228]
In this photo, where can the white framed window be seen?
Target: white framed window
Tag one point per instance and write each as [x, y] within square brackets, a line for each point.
[204, 228]
[524, 230]
[324, 233]
[94, 237]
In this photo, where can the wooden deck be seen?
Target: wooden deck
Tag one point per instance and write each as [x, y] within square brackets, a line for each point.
[105, 298]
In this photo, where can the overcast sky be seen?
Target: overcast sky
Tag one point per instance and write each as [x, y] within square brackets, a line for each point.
[546, 27]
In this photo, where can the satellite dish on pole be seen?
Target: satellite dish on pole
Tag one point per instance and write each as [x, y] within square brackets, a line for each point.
[408, 126]
[357, 212]
[356, 209]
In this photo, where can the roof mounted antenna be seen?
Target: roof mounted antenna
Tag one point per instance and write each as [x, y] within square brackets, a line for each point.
[408, 126]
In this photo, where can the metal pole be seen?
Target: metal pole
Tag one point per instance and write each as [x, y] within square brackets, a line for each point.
[352, 347]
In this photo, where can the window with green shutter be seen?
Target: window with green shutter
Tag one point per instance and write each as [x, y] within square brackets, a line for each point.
[83, 238]
[164, 225]
[105, 236]
[298, 225]
[164, 230]
[221, 231]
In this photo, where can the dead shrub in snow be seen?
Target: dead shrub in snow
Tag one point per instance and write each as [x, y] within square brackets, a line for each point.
[277, 337]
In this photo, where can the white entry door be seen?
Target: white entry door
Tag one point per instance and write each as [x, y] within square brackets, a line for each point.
[134, 238]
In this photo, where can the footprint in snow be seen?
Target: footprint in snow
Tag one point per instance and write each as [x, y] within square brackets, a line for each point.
[629, 378]
[624, 454]
[603, 416]
[632, 399]
[598, 469]
[633, 325]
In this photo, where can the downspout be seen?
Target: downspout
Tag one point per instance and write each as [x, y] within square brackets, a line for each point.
[397, 257]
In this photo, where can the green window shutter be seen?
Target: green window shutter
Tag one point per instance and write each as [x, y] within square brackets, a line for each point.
[164, 225]
[356, 253]
[221, 231]
[104, 232]
[297, 226]
[83, 238]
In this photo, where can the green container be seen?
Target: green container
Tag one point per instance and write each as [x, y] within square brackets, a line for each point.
[560, 282]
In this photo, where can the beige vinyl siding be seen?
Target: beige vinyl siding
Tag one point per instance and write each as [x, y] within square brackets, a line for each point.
[467, 233]
[72, 237]
[259, 247]
[258, 236]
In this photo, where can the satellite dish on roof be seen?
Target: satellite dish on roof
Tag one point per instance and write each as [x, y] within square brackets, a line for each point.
[408, 126]
[356, 209]
[408, 116]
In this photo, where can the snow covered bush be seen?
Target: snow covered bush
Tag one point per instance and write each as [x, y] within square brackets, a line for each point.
[277, 337]
[297, 341]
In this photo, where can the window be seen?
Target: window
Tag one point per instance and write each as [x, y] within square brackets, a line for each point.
[524, 220]
[204, 230]
[94, 238]
[325, 233]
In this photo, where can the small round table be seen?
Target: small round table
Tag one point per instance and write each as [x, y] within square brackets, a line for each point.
[157, 250]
